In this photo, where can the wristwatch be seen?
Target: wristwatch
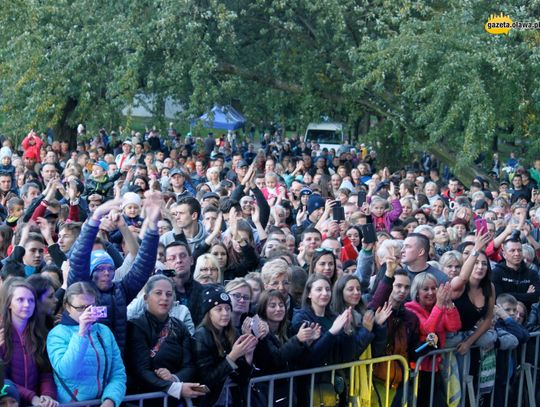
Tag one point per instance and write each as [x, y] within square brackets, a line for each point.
[474, 253]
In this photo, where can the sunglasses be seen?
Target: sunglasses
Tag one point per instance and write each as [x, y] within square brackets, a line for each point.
[323, 250]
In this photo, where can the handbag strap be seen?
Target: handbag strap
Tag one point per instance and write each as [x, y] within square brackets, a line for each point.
[65, 386]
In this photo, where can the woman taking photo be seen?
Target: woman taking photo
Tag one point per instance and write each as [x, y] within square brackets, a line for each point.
[159, 347]
[437, 315]
[219, 353]
[240, 292]
[84, 355]
[22, 345]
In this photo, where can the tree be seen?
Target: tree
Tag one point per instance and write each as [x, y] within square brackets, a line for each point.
[428, 71]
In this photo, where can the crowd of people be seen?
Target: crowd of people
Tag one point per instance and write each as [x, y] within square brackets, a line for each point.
[147, 262]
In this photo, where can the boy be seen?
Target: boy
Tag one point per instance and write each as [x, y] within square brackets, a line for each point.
[15, 208]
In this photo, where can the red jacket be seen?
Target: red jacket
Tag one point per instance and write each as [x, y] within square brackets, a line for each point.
[440, 321]
[22, 370]
[32, 150]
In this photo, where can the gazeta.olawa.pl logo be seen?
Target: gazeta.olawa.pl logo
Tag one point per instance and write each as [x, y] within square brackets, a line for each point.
[501, 24]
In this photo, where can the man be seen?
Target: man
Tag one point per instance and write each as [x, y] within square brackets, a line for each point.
[179, 186]
[99, 269]
[48, 172]
[415, 256]
[311, 241]
[126, 155]
[512, 276]
[29, 192]
[453, 190]
[209, 144]
[314, 210]
[187, 213]
[403, 326]
[5, 188]
[179, 261]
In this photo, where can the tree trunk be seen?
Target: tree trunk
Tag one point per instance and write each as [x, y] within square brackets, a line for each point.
[447, 156]
[64, 131]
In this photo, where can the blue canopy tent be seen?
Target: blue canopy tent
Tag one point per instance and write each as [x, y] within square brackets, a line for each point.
[222, 117]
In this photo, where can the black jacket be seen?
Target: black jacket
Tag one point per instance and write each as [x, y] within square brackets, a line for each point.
[272, 356]
[516, 282]
[214, 369]
[174, 354]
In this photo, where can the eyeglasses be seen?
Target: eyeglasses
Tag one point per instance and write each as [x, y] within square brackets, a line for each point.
[181, 256]
[238, 297]
[80, 308]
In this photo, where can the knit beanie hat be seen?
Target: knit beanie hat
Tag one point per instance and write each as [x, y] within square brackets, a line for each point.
[214, 294]
[5, 152]
[103, 165]
[9, 390]
[99, 257]
[131, 198]
[314, 202]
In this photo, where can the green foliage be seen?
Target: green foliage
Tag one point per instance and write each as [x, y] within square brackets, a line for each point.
[427, 71]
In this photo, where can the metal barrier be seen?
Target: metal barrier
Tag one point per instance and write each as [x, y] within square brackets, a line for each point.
[354, 372]
[139, 398]
[361, 385]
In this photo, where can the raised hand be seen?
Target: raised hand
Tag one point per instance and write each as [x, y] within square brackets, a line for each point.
[383, 313]
[368, 320]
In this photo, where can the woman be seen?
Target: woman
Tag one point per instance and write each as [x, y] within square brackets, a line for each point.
[408, 207]
[212, 174]
[257, 287]
[333, 343]
[159, 347]
[324, 262]
[437, 314]
[84, 355]
[474, 296]
[23, 346]
[451, 263]
[220, 355]
[207, 270]
[280, 351]
[240, 293]
[366, 325]
[439, 210]
[316, 309]
[46, 298]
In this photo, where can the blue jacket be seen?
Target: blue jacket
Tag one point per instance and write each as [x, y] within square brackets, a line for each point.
[90, 367]
[122, 292]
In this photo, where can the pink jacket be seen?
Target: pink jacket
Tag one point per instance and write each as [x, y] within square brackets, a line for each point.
[22, 370]
[440, 321]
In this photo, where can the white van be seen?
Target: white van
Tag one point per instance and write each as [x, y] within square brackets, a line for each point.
[327, 135]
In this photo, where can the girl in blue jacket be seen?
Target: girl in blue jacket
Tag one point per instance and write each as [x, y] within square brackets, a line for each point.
[84, 355]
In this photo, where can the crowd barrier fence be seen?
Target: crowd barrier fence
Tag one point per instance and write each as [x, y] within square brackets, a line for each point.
[361, 385]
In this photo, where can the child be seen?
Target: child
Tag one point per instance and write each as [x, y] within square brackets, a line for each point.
[506, 324]
[5, 163]
[9, 396]
[383, 217]
[131, 210]
[99, 182]
[272, 190]
[15, 208]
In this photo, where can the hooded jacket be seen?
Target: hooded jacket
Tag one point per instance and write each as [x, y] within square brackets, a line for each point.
[193, 242]
[86, 367]
[117, 298]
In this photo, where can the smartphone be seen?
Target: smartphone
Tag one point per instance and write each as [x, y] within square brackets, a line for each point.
[481, 226]
[99, 312]
[368, 233]
[338, 213]
[203, 388]
[362, 196]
